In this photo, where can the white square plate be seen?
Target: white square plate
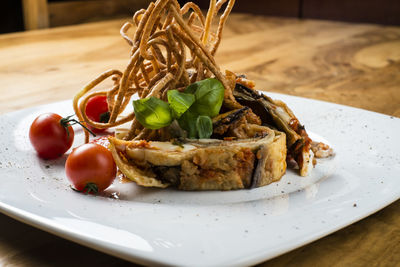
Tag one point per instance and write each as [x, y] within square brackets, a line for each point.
[152, 226]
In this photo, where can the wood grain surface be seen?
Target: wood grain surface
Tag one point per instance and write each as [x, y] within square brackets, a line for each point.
[351, 64]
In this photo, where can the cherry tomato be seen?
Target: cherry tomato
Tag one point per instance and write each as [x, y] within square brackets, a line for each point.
[97, 110]
[90, 168]
[51, 135]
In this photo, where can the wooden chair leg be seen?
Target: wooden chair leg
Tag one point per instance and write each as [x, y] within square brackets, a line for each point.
[36, 15]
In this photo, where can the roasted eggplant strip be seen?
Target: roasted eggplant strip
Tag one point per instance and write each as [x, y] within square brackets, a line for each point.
[277, 114]
[239, 123]
[271, 112]
[223, 122]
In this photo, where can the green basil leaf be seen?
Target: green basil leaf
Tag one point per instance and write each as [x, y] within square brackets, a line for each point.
[204, 127]
[152, 113]
[180, 102]
[209, 95]
[188, 122]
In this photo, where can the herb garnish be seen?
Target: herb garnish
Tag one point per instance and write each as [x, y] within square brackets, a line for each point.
[152, 113]
[193, 108]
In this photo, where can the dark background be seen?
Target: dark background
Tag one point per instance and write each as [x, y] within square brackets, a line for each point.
[11, 16]
[369, 11]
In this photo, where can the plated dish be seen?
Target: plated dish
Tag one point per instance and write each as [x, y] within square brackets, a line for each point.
[361, 179]
[194, 126]
[196, 129]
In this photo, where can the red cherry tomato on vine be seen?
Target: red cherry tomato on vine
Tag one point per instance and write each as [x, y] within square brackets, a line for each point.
[97, 110]
[51, 135]
[90, 168]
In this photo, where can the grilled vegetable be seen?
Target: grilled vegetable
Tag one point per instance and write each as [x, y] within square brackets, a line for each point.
[223, 122]
[277, 114]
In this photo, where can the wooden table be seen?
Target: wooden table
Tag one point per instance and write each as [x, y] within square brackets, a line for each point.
[351, 64]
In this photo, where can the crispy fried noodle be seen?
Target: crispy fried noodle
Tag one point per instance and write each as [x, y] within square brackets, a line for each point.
[159, 60]
[173, 47]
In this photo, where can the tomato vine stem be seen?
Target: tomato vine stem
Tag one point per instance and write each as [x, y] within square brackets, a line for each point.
[67, 121]
[91, 188]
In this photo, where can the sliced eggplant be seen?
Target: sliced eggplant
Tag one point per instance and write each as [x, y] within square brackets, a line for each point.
[276, 113]
[229, 117]
[226, 121]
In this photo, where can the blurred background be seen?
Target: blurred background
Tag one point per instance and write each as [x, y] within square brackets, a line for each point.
[20, 15]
